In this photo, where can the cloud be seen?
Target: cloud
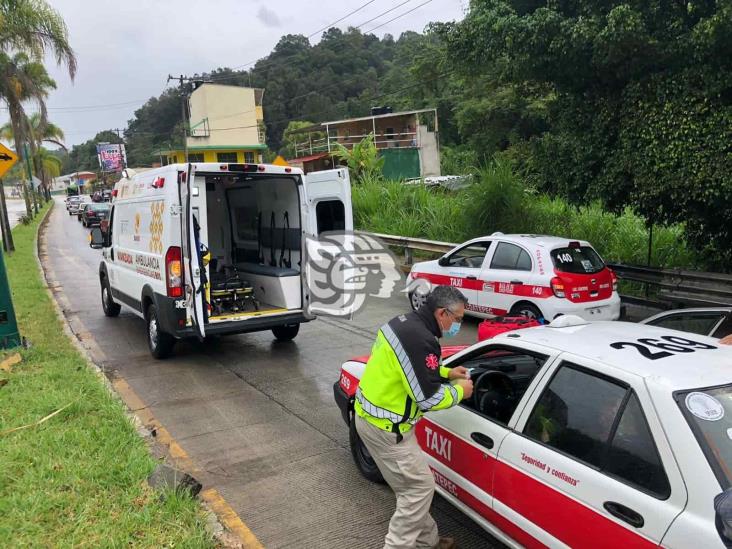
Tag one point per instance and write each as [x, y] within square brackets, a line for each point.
[268, 17]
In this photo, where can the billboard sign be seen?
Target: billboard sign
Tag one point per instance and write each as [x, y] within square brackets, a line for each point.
[112, 158]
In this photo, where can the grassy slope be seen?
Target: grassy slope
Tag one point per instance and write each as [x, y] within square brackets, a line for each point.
[79, 478]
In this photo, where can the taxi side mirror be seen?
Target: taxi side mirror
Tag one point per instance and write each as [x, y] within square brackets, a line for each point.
[96, 238]
[444, 261]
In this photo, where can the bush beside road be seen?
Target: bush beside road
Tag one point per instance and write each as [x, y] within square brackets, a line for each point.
[79, 478]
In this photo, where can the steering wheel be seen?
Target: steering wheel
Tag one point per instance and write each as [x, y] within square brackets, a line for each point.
[494, 395]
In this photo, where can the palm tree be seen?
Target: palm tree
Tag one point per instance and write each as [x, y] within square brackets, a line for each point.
[40, 131]
[30, 29]
[21, 80]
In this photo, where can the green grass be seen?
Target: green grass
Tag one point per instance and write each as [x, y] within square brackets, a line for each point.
[77, 480]
[500, 201]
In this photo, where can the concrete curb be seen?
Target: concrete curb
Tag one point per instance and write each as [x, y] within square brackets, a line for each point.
[240, 537]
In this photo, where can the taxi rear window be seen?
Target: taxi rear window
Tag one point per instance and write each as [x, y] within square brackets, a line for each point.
[579, 260]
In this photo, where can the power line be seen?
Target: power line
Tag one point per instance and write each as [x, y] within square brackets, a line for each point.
[398, 17]
[329, 25]
[289, 60]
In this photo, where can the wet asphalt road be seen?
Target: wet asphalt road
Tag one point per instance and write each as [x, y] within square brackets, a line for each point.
[257, 417]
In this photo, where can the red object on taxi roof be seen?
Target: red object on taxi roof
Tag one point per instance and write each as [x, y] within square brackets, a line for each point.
[494, 326]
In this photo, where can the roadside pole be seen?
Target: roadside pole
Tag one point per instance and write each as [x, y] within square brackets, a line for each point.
[8, 244]
[9, 334]
[26, 156]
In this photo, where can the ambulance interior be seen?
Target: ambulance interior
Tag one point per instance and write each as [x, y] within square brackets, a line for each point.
[251, 225]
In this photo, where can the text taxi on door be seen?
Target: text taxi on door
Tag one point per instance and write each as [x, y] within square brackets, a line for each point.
[527, 275]
[602, 434]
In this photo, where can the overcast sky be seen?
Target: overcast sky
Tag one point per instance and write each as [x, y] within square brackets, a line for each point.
[127, 48]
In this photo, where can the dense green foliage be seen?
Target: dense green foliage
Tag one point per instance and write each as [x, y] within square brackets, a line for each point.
[499, 201]
[628, 102]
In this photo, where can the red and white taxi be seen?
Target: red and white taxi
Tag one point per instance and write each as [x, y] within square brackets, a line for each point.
[529, 275]
[584, 434]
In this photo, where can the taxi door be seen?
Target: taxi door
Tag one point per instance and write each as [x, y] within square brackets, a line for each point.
[508, 278]
[462, 443]
[461, 268]
[588, 464]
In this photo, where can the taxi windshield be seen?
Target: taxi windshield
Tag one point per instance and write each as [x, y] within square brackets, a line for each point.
[709, 413]
[577, 260]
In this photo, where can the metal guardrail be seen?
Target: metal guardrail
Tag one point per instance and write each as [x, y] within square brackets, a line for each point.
[664, 288]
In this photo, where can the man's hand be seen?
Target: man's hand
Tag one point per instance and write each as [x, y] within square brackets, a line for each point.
[726, 340]
[458, 372]
[467, 386]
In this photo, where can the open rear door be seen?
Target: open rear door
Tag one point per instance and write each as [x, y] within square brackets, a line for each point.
[329, 201]
[328, 273]
[194, 288]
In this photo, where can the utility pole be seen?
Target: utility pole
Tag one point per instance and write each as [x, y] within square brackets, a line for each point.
[184, 111]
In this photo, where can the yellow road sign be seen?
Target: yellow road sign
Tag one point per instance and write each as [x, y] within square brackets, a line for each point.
[7, 159]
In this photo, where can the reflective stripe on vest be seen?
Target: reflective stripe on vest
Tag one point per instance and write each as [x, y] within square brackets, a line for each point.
[406, 365]
[375, 411]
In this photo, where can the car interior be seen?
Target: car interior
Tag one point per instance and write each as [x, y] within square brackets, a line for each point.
[250, 224]
[500, 379]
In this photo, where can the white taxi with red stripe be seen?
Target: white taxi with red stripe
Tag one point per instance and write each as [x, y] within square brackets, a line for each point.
[530, 275]
[579, 434]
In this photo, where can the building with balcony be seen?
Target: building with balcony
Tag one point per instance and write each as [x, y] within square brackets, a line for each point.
[225, 124]
[408, 142]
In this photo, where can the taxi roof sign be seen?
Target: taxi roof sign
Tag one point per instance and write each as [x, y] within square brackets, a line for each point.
[7, 159]
[279, 161]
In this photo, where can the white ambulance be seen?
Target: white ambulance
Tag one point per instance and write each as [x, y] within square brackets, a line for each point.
[212, 249]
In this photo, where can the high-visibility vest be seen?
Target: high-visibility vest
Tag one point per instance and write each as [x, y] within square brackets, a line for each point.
[404, 377]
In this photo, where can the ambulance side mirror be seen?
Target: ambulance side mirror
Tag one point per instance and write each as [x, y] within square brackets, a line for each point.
[96, 238]
[723, 516]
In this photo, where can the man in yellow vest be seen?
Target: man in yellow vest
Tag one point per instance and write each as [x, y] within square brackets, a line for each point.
[403, 379]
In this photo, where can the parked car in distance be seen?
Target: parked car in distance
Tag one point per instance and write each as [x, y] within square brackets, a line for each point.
[74, 206]
[82, 207]
[708, 321]
[72, 200]
[94, 213]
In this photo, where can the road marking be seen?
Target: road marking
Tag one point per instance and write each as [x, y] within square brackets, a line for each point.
[94, 354]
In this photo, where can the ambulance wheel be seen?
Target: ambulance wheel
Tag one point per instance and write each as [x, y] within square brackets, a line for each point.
[286, 332]
[110, 308]
[365, 463]
[160, 343]
[526, 309]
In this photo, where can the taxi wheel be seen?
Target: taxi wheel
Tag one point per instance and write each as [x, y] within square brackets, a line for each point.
[416, 300]
[365, 463]
[527, 310]
[160, 343]
[110, 308]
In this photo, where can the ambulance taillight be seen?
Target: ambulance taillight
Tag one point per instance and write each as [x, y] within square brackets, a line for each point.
[558, 287]
[174, 272]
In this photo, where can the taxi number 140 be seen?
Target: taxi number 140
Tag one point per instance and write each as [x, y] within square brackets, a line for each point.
[669, 346]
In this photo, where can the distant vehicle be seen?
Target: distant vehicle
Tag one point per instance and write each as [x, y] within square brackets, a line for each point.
[523, 275]
[74, 204]
[94, 213]
[709, 321]
[107, 195]
[82, 207]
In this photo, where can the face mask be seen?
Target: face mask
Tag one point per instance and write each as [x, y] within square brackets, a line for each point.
[452, 331]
